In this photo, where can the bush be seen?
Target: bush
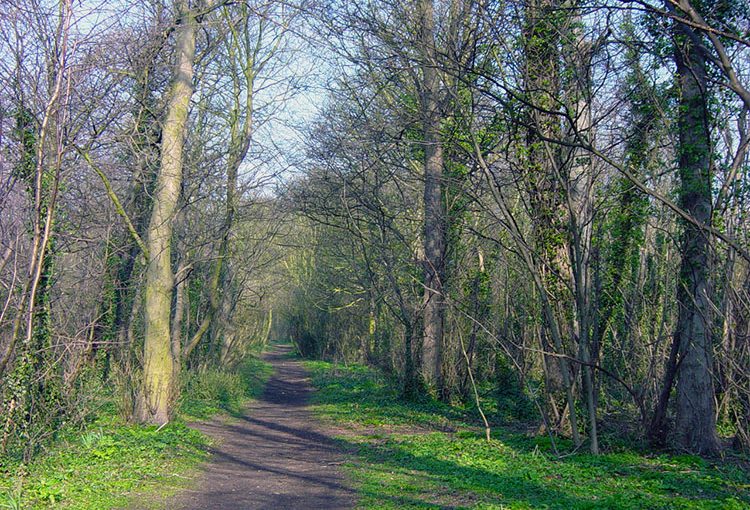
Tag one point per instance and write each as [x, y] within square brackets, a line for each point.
[513, 404]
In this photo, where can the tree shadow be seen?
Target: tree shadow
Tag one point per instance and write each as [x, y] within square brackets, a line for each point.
[388, 459]
[359, 393]
[441, 483]
[400, 467]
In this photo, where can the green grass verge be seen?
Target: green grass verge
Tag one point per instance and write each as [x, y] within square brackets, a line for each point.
[428, 455]
[110, 463]
[103, 467]
[214, 391]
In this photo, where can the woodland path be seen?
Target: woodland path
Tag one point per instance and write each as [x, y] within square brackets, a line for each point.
[276, 456]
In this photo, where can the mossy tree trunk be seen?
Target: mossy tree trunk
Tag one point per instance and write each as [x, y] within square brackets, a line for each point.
[543, 21]
[695, 428]
[155, 400]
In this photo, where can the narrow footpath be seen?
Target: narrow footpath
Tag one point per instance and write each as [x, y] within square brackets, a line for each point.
[276, 456]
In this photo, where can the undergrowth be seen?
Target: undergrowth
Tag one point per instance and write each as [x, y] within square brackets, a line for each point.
[429, 455]
[103, 467]
[211, 391]
[108, 463]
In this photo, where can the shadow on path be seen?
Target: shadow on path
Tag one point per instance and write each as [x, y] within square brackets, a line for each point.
[276, 456]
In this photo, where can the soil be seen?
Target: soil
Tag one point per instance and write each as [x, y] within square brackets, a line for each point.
[276, 456]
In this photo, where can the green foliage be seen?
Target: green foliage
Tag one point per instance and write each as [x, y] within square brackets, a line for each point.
[356, 394]
[103, 467]
[106, 462]
[429, 456]
[34, 399]
[512, 403]
[25, 133]
[214, 390]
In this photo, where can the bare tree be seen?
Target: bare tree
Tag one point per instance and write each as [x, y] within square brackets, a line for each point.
[158, 371]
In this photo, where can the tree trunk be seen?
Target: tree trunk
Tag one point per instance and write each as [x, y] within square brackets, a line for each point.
[580, 191]
[542, 87]
[179, 313]
[741, 357]
[696, 419]
[158, 372]
[434, 210]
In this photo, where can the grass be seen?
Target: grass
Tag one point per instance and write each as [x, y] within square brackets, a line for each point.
[111, 463]
[430, 455]
[103, 467]
[213, 391]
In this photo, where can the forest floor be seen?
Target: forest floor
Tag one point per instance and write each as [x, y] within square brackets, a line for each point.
[274, 455]
[107, 462]
[286, 433]
[429, 455]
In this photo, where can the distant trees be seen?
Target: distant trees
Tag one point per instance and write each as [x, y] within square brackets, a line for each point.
[560, 139]
[248, 38]
[112, 129]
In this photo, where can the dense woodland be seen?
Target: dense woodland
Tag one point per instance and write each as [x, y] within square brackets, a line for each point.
[533, 207]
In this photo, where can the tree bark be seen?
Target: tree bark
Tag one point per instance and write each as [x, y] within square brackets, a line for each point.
[542, 87]
[580, 191]
[179, 313]
[434, 210]
[158, 372]
[695, 428]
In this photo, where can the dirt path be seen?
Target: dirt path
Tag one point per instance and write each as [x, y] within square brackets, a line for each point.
[277, 456]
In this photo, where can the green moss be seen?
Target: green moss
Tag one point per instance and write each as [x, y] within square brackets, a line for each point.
[404, 458]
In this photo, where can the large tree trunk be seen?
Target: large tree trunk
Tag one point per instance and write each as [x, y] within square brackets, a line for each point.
[696, 419]
[434, 210]
[741, 356]
[542, 87]
[158, 372]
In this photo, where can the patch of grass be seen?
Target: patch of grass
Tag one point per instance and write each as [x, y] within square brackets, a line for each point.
[428, 455]
[213, 391]
[356, 395]
[103, 467]
[110, 463]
